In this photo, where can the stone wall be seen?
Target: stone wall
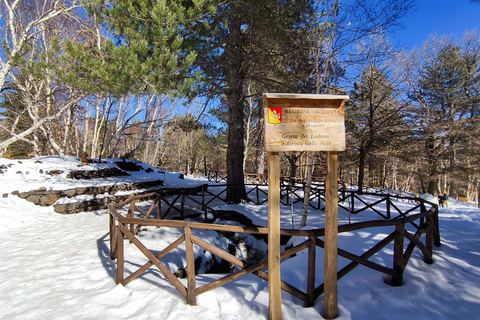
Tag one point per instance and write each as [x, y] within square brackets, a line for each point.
[101, 196]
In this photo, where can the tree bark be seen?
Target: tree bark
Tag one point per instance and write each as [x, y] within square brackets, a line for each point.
[235, 137]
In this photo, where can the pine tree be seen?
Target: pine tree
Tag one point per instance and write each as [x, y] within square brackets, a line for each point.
[253, 41]
[374, 116]
[145, 51]
[447, 106]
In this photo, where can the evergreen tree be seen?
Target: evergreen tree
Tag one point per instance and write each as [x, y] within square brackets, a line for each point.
[374, 116]
[253, 41]
[145, 50]
[446, 108]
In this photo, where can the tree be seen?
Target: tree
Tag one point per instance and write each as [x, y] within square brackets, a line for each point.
[374, 113]
[443, 79]
[33, 33]
[250, 42]
[339, 25]
[145, 51]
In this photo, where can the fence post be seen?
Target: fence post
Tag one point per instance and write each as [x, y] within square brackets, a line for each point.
[113, 237]
[352, 202]
[398, 264]
[120, 255]
[312, 253]
[182, 202]
[436, 234]
[131, 214]
[388, 206]
[204, 207]
[429, 238]
[319, 200]
[160, 205]
[191, 286]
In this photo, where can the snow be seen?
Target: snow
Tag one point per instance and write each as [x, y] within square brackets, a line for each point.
[56, 266]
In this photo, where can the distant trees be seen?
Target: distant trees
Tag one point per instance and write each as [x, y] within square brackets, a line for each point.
[443, 83]
[374, 114]
[122, 82]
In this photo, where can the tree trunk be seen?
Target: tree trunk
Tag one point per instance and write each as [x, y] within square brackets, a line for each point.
[361, 169]
[308, 186]
[235, 137]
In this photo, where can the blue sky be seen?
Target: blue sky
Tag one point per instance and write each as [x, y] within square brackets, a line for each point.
[438, 16]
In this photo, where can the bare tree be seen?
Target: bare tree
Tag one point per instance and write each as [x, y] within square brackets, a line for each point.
[32, 32]
[340, 25]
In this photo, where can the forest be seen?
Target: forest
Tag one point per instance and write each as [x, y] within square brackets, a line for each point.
[178, 84]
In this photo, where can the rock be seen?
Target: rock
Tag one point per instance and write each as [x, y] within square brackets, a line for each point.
[23, 195]
[54, 172]
[5, 195]
[48, 200]
[61, 208]
[70, 193]
[33, 198]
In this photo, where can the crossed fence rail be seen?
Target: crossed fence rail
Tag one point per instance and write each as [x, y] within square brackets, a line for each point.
[128, 225]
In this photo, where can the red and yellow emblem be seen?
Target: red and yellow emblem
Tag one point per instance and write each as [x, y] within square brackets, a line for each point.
[274, 115]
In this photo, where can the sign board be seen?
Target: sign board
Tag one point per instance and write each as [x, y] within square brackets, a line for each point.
[304, 122]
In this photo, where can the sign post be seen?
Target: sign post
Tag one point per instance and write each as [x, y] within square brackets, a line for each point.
[303, 122]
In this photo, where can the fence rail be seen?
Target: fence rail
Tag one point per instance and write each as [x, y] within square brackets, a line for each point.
[127, 226]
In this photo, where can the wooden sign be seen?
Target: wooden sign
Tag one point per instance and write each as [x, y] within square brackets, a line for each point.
[304, 122]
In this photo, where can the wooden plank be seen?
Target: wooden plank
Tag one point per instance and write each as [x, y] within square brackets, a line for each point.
[427, 255]
[285, 287]
[274, 277]
[231, 277]
[218, 252]
[167, 273]
[330, 309]
[159, 255]
[304, 122]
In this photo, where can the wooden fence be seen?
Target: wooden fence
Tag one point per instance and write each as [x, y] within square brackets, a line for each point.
[127, 225]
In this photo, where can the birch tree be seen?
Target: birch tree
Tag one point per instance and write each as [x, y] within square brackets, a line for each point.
[31, 36]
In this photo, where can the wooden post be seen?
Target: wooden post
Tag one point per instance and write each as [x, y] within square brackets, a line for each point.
[388, 207]
[131, 214]
[331, 231]
[182, 204]
[437, 241]
[159, 208]
[398, 264]
[312, 254]
[204, 207]
[191, 286]
[274, 278]
[429, 239]
[120, 255]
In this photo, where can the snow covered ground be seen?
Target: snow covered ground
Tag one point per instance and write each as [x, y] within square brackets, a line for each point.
[58, 266]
